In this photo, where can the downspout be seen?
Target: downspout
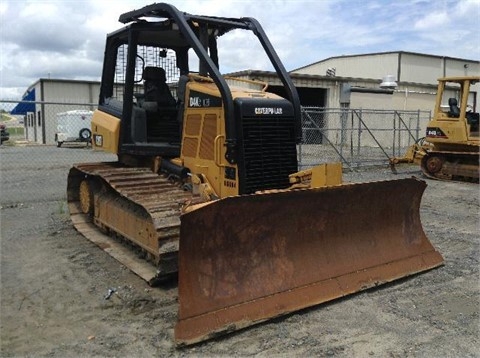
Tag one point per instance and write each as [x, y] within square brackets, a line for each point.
[399, 67]
[42, 111]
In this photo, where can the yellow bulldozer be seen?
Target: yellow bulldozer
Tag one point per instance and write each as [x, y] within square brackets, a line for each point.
[206, 188]
[450, 148]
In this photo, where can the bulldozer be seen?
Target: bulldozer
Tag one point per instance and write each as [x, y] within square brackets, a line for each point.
[450, 148]
[206, 188]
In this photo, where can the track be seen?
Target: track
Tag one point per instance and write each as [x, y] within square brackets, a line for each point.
[108, 202]
[451, 166]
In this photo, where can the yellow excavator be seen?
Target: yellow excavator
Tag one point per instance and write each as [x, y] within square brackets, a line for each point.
[450, 148]
[207, 189]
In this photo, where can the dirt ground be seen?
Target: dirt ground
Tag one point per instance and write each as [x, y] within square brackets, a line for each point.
[54, 285]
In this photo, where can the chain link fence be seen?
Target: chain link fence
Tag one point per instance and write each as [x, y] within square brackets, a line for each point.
[31, 122]
[356, 137]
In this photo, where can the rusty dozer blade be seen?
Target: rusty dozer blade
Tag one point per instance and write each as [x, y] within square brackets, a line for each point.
[247, 259]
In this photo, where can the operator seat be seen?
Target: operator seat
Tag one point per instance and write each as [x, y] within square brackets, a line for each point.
[156, 88]
[454, 110]
[160, 107]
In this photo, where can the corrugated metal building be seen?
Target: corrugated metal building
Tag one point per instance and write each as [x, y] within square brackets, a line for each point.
[415, 75]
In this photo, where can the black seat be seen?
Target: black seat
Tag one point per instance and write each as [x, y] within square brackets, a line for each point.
[454, 111]
[156, 88]
[160, 107]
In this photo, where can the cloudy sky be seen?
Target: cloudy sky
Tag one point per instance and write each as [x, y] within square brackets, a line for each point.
[65, 39]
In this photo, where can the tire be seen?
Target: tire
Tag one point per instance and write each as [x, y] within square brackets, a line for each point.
[85, 135]
[59, 144]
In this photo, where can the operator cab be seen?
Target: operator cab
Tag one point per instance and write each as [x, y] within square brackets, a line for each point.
[146, 75]
[143, 63]
[458, 103]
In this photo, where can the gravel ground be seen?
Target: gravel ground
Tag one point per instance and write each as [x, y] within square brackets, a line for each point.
[54, 283]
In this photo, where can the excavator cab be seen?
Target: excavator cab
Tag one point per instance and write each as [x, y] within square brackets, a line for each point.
[207, 185]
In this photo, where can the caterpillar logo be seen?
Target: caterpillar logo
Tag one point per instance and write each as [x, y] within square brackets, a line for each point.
[268, 110]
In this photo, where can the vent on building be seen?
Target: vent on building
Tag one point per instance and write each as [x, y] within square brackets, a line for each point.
[331, 71]
[388, 82]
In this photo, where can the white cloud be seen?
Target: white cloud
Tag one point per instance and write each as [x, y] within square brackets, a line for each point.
[432, 21]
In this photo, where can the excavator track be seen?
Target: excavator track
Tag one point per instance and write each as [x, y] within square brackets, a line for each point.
[451, 166]
[109, 201]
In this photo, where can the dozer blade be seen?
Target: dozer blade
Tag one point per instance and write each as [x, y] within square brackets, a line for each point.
[247, 259]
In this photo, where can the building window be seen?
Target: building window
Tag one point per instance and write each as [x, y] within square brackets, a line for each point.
[39, 116]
